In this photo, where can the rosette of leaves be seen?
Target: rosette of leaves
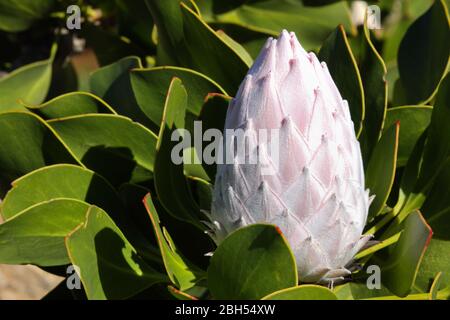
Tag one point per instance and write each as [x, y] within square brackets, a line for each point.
[86, 176]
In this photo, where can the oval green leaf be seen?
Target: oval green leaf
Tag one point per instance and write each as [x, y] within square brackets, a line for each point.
[169, 175]
[71, 104]
[413, 121]
[304, 292]
[336, 52]
[181, 272]
[16, 16]
[108, 265]
[59, 181]
[251, 263]
[380, 172]
[427, 160]
[150, 88]
[373, 76]
[312, 24]
[421, 68]
[113, 84]
[28, 84]
[28, 143]
[400, 262]
[183, 39]
[36, 235]
[114, 146]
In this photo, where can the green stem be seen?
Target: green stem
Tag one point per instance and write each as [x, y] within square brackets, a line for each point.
[378, 246]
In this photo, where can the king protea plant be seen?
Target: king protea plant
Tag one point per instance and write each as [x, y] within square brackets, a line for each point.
[315, 191]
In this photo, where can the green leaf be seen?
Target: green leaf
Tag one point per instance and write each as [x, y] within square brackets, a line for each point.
[380, 172]
[376, 247]
[399, 263]
[132, 195]
[209, 8]
[191, 241]
[250, 38]
[391, 80]
[150, 88]
[421, 171]
[180, 271]
[175, 106]
[413, 122]
[251, 263]
[436, 259]
[407, 200]
[28, 143]
[336, 52]
[74, 183]
[194, 167]
[203, 191]
[436, 209]
[435, 286]
[373, 75]
[236, 46]
[420, 68]
[113, 84]
[36, 235]
[135, 22]
[71, 104]
[65, 78]
[169, 175]
[358, 290]
[437, 148]
[28, 84]
[106, 262]
[136, 224]
[183, 39]
[304, 292]
[214, 111]
[108, 47]
[311, 24]
[213, 116]
[16, 16]
[114, 146]
[394, 31]
[59, 181]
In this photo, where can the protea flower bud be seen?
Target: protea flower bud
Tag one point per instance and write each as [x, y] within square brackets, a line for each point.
[315, 193]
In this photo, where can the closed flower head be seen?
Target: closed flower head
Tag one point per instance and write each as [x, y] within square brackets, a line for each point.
[315, 192]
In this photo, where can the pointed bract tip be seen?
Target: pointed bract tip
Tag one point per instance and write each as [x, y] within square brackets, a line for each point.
[287, 121]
